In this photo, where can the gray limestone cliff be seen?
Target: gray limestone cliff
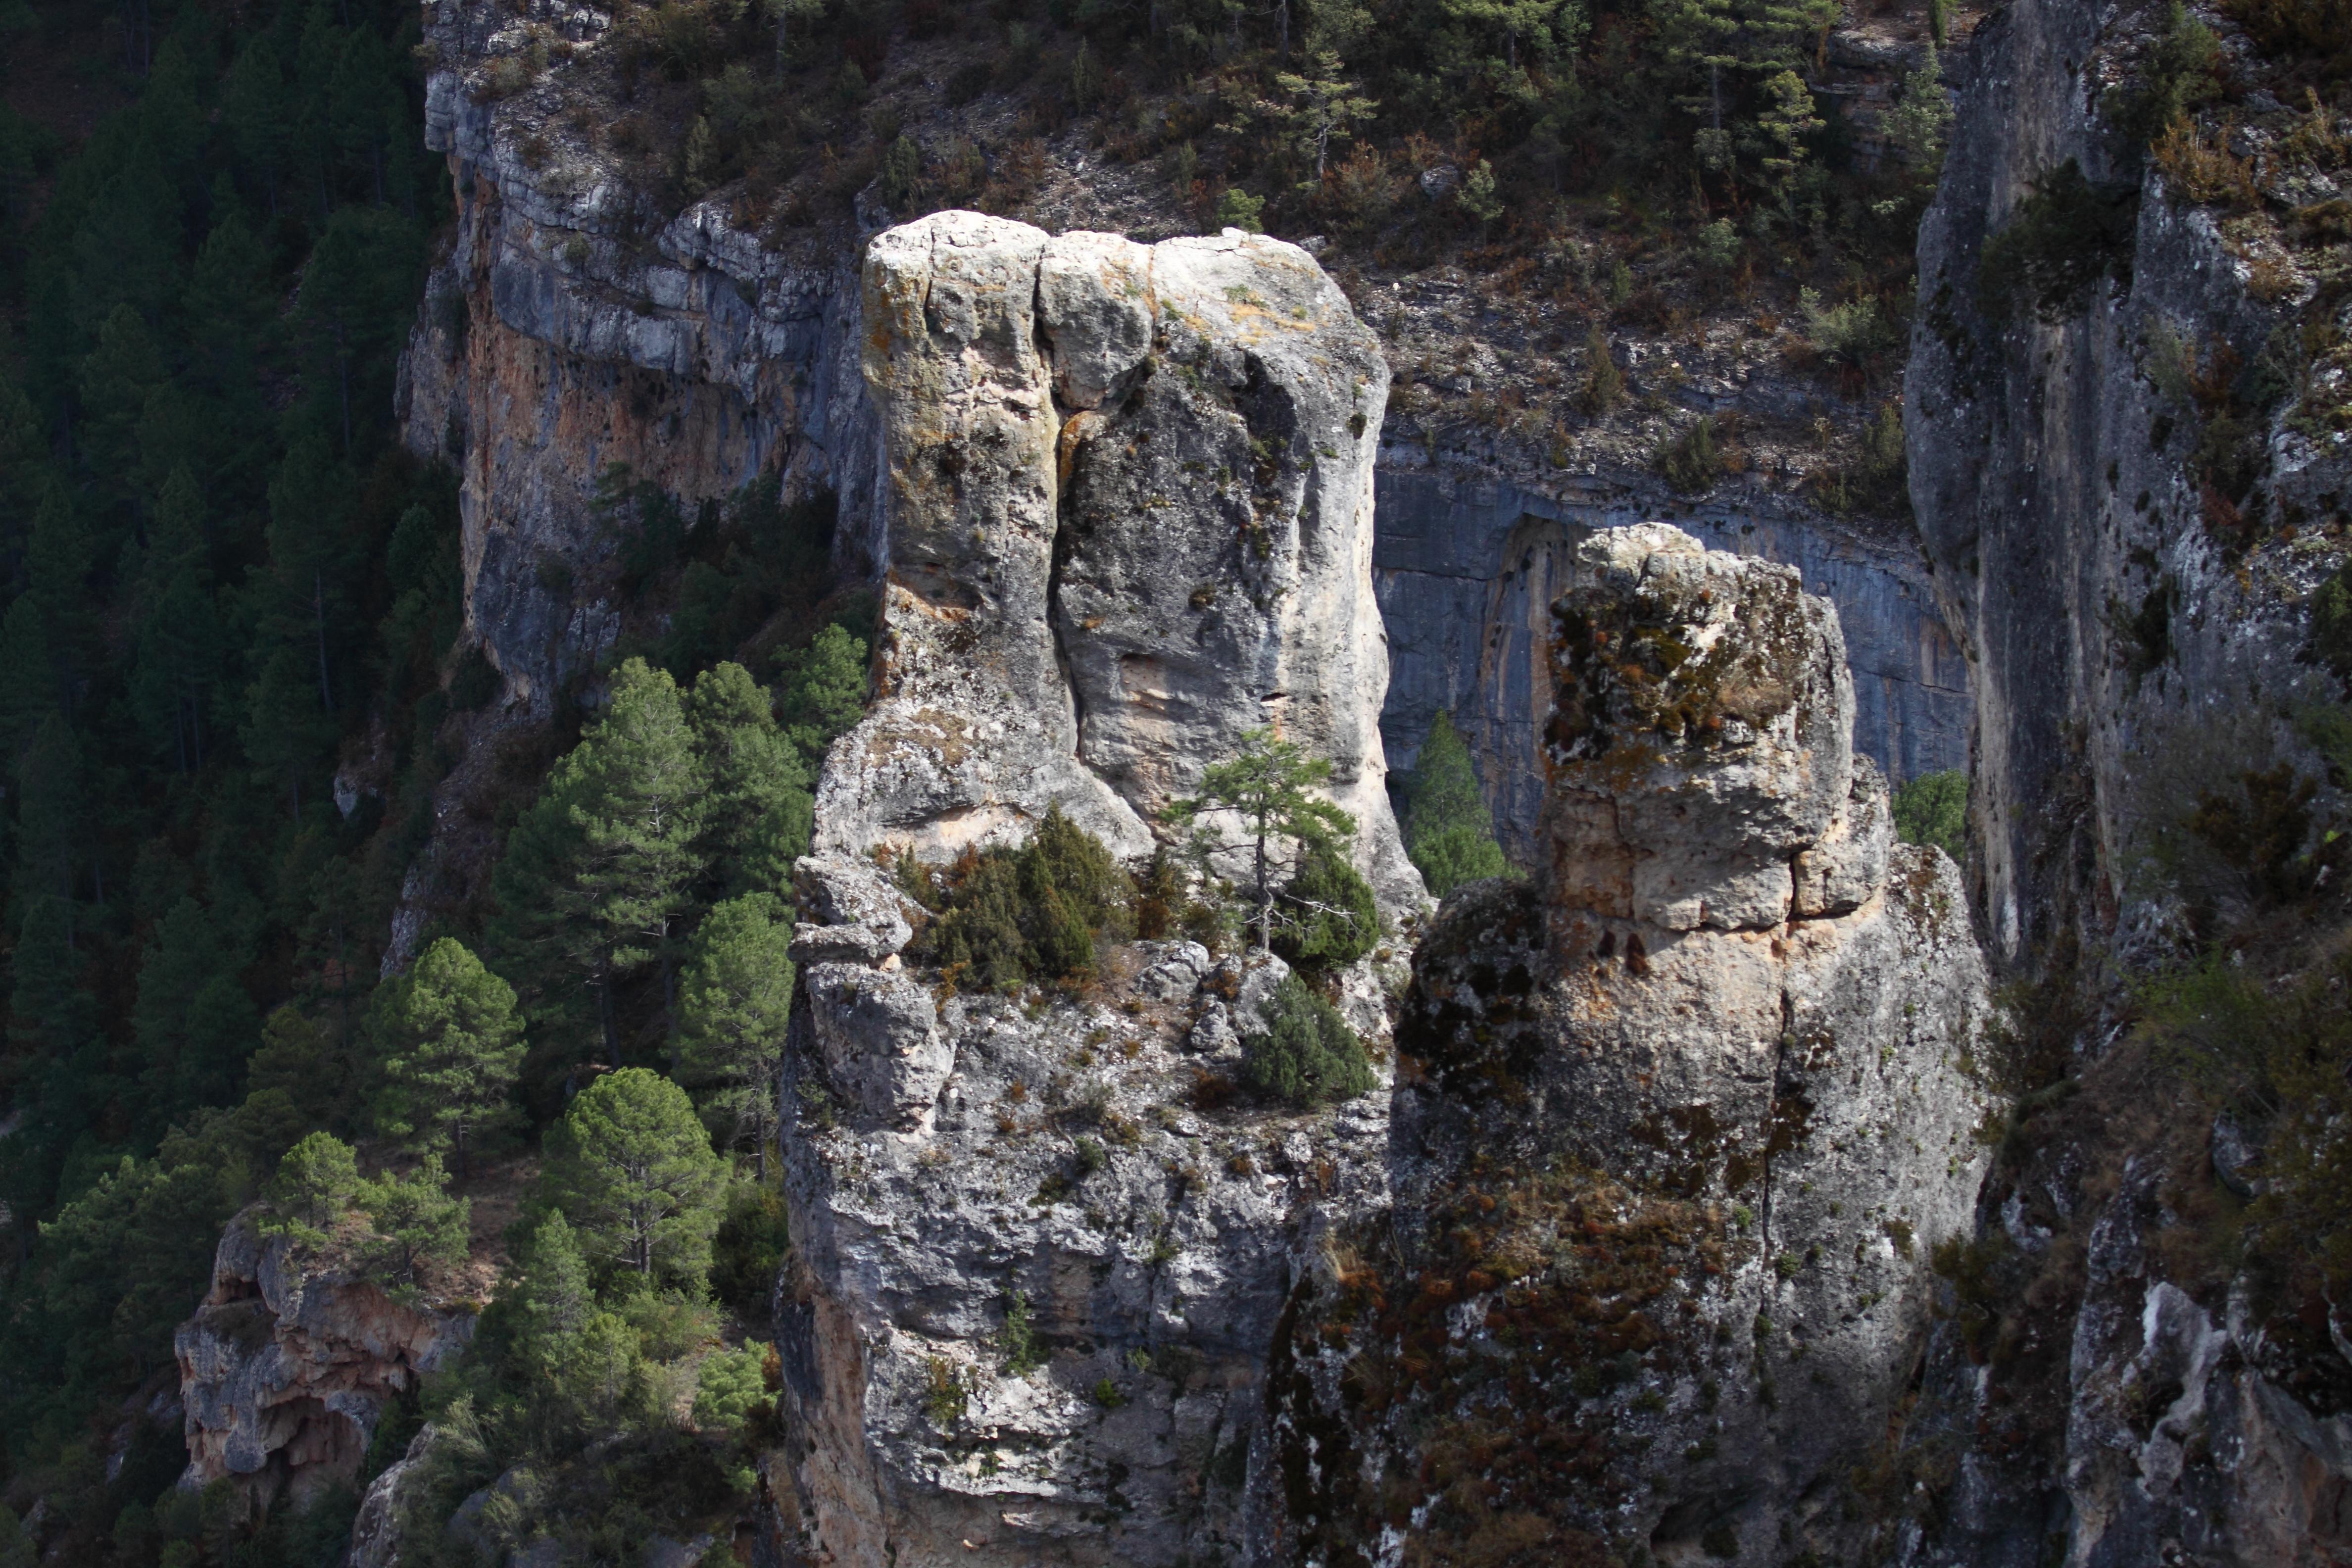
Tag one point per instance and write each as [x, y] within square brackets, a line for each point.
[2127, 499]
[1124, 518]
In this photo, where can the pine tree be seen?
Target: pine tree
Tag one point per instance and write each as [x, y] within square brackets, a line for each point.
[300, 1059]
[416, 1220]
[54, 1013]
[823, 690]
[311, 557]
[287, 734]
[231, 311]
[1260, 806]
[50, 823]
[758, 812]
[352, 311]
[599, 868]
[1322, 106]
[1307, 1054]
[1546, 27]
[1448, 831]
[632, 1170]
[126, 249]
[178, 655]
[547, 1299]
[259, 112]
[192, 1022]
[117, 378]
[1331, 918]
[316, 1184]
[733, 1003]
[28, 675]
[57, 559]
[450, 1048]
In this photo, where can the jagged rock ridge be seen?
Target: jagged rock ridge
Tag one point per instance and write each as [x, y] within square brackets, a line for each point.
[1727, 996]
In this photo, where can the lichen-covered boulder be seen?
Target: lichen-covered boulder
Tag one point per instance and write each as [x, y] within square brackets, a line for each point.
[1701, 732]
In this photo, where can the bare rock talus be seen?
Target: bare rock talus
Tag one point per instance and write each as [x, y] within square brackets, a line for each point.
[1678, 1121]
[1125, 515]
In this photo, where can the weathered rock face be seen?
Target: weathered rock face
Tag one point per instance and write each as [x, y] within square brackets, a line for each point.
[1467, 566]
[2080, 555]
[1675, 1126]
[286, 1366]
[2135, 635]
[557, 340]
[1125, 516]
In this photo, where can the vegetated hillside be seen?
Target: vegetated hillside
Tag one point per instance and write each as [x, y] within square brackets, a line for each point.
[1722, 190]
[233, 680]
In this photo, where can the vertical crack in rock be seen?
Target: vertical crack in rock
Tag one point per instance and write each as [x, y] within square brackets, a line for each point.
[1036, 1287]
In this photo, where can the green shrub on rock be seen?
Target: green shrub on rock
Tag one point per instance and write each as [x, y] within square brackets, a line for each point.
[1008, 916]
[1333, 917]
[1448, 831]
[1307, 1054]
[1934, 809]
[2331, 624]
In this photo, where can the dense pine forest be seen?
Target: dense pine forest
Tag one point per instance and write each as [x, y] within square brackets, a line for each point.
[220, 568]
[232, 651]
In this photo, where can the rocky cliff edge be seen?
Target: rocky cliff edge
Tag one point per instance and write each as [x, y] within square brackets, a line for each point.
[287, 1365]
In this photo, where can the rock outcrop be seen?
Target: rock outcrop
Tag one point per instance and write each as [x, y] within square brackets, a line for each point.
[1676, 1124]
[1468, 563]
[287, 1365]
[558, 342]
[1124, 518]
[2128, 561]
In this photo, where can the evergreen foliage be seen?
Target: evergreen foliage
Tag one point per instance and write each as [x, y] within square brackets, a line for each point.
[1934, 809]
[1330, 916]
[748, 1251]
[822, 690]
[222, 576]
[316, 1184]
[1261, 807]
[1307, 1055]
[729, 1390]
[450, 1046]
[2067, 235]
[1005, 916]
[1448, 831]
[671, 797]
[416, 1221]
[632, 1169]
[733, 1003]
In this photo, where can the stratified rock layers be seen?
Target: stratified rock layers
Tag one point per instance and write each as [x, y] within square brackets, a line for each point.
[1676, 1126]
[1123, 517]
